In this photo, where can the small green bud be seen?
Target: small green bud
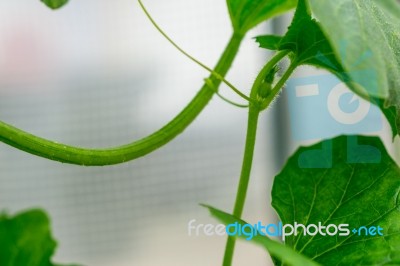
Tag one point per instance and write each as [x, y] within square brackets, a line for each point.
[270, 77]
[266, 86]
[264, 89]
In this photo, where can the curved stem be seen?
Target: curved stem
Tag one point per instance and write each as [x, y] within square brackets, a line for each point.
[75, 155]
[253, 115]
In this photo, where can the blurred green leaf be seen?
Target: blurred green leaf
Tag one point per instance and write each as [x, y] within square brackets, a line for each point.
[54, 4]
[26, 239]
[391, 115]
[365, 37]
[246, 14]
[361, 188]
[390, 6]
[276, 249]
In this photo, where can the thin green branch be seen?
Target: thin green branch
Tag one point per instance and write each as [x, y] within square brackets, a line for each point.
[213, 72]
[212, 86]
[254, 112]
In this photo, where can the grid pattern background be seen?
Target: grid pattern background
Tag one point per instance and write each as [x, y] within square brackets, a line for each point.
[96, 74]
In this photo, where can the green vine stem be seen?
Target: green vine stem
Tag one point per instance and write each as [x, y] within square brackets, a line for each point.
[252, 122]
[254, 111]
[80, 156]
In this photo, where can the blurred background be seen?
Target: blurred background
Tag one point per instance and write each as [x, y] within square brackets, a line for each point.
[97, 74]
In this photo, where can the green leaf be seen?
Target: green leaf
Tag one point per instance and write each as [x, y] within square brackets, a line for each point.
[246, 14]
[306, 40]
[390, 6]
[275, 248]
[54, 4]
[25, 239]
[361, 188]
[390, 114]
[365, 37]
[310, 46]
[270, 42]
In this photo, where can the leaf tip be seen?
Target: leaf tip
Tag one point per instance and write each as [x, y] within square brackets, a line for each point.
[54, 4]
